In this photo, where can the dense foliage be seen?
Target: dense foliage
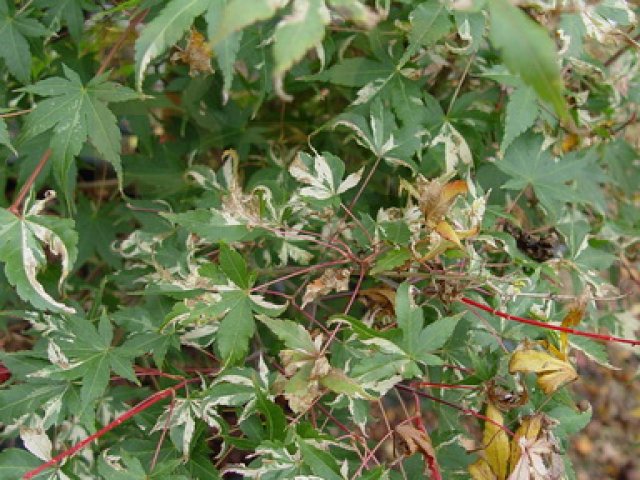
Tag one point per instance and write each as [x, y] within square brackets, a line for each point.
[313, 239]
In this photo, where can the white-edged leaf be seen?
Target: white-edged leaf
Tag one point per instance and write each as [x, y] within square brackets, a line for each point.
[22, 242]
[164, 31]
[522, 112]
[296, 34]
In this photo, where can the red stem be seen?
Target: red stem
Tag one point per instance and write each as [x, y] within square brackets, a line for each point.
[15, 206]
[153, 399]
[548, 326]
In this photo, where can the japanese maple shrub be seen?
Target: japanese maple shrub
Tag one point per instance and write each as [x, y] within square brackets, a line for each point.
[312, 239]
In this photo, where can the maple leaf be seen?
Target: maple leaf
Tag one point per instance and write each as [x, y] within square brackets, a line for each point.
[323, 175]
[551, 371]
[77, 112]
[22, 248]
[527, 163]
[14, 28]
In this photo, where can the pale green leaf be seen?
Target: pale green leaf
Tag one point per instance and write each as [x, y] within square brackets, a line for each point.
[236, 328]
[236, 15]
[429, 23]
[297, 33]
[164, 31]
[26, 398]
[522, 112]
[528, 51]
[209, 224]
[226, 49]
[338, 382]
[435, 335]
[390, 260]
[291, 333]
[410, 320]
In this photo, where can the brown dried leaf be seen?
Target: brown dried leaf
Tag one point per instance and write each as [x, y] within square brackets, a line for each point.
[331, 279]
[496, 443]
[197, 54]
[434, 198]
[506, 399]
[552, 372]
[530, 429]
[417, 440]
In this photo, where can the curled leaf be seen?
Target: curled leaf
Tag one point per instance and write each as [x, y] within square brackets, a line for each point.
[416, 440]
[552, 372]
[331, 279]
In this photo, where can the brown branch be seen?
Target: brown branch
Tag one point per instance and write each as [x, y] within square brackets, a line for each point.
[133, 23]
[618, 54]
[17, 203]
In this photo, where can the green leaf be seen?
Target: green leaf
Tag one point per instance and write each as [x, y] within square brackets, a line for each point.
[209, 224]
[67, 12]
[291, 333]
[21, 249]
[236, 15]
[234, 267]
[15, 462]
[528, 51]
[353, 72]
[164, 31]
[226, 50]
[27, 398]
[338, 382]
[236, 328]
[276, 421]
[390, 260]
[4, 136]
[321, 463]
[522, 112]
[571, 420]
[528, 164]
[297, 33]
[429, 23]
[410, 320]
[15, 48]
[76, 112]
[434, 336]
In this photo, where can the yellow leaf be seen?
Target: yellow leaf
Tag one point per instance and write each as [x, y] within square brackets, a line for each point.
[572, 318]
[451, 189]
[552, 372]
[480, 470]
[447, 232]
[530, 429]
[496, 443]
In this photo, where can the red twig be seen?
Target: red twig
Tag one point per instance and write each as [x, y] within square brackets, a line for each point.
[153, 399]
[548, 326]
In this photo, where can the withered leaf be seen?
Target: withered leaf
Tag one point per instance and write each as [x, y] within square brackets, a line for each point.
[417, 440]
[496, 443]
[551, 371]
[331, 279]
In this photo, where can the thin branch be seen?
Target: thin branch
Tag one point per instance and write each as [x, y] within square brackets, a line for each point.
[548, 326]
[17, 203]
[133, 23]
[140, 407]
[15, 114]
